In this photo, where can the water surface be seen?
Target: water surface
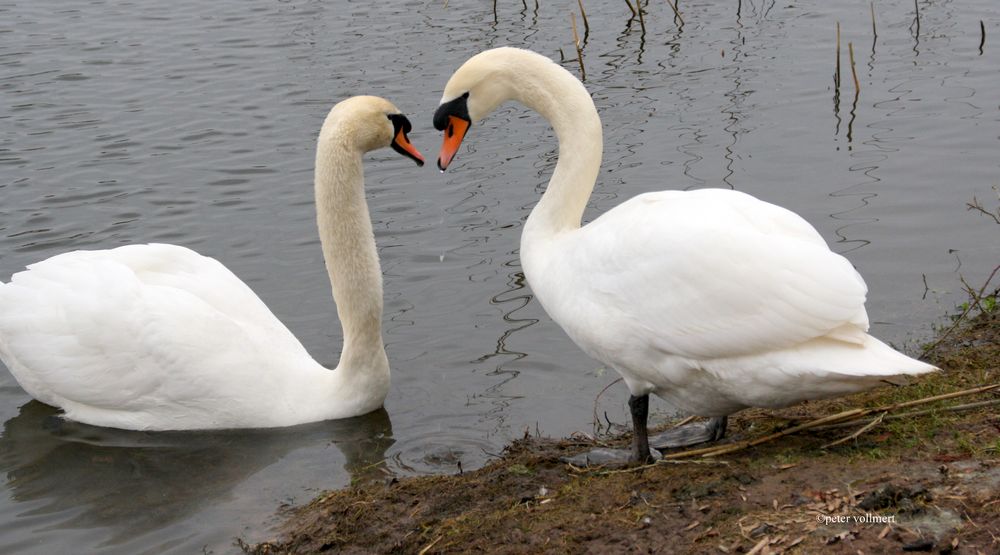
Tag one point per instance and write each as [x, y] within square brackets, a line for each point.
[194, 123]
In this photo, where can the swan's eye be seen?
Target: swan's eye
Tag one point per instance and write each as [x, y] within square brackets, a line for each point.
[456, 107]
[399, 121]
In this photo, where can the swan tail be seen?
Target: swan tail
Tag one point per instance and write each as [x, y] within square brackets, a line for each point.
[816, 369]
[873, 359]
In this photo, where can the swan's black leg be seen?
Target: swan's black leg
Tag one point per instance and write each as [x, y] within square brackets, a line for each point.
[717, 424]
[639, 454]
[639, 406]
[697, 432]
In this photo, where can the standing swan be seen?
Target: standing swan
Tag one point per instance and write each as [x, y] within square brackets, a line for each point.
[712, 299]
[158, 337]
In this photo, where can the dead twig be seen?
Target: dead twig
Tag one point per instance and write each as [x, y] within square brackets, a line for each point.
[875, 422]
[733, 447]
[429, 546]
[759, 548]
[911, 414]
[975, 205]
[597, 419]
[974, 297]
[685, 421]
[961, 317]
[659, 462]
[852, 414]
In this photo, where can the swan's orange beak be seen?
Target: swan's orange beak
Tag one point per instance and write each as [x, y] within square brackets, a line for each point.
[402, 145]
[453, 135]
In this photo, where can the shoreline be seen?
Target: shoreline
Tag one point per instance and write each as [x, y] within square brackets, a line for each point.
[929, 480]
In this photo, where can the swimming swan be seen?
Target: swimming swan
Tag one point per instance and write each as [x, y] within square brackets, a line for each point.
[712, 299]
[158, 337]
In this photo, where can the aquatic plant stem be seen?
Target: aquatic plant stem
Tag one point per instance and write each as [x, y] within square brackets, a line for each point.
[629, 4]
[854, 72]
[836, 75]
[874, 30]
[579, 51]
[677, 13]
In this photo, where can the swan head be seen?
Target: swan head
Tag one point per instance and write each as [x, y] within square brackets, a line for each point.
[371, 123]
[484, 82]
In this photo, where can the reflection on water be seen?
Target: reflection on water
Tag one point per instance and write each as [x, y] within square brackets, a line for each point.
[75, 476]
[514, 298]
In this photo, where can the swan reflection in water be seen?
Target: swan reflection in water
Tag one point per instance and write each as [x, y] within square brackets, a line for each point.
[137, 482]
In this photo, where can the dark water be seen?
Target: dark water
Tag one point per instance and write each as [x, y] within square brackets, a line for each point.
[193, 123]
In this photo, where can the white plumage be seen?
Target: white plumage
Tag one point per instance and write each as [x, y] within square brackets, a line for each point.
[146, 333]
[712, 299]
[158, 337]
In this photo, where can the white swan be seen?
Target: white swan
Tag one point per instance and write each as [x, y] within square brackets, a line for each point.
[158, 337]
[712, 299]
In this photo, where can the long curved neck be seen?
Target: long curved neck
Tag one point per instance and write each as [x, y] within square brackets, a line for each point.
[345, 232]
[561, 99]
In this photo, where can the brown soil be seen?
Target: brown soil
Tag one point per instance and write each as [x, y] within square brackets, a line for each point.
[926, 483]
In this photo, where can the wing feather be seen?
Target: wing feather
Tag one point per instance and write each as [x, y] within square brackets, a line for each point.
[137, 317]
[706, 274]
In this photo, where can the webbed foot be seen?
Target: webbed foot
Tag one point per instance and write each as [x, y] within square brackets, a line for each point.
[640, 453]
[691, 434]
[603, 457]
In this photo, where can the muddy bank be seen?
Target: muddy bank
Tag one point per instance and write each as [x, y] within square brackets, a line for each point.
[927, 482]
